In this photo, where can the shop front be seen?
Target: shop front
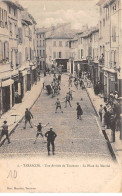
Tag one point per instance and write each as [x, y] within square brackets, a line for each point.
[110, 82]
[62, 62]
[6, 95]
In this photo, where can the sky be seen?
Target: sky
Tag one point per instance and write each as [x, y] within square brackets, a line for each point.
[52, 12]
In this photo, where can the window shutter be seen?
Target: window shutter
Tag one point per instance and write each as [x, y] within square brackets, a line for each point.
[1, 51]
[17, 60]
[20, 34]
[20, 58]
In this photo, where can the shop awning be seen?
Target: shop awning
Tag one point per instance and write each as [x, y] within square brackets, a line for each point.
[7, 82]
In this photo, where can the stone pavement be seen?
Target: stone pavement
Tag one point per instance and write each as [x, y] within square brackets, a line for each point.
[19, 109]
[117, 145]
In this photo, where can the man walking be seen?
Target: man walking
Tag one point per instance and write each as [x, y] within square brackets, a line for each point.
[39, 131]
[5, 131]
[67, 99]
[50, 135]
[70, 93]
[28, 117]
[79, 111]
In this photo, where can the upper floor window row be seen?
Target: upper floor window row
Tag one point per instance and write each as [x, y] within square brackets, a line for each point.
[60, 43]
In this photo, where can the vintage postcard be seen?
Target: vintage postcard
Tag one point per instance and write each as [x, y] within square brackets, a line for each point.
[60, 96]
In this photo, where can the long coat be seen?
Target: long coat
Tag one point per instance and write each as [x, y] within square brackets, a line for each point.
[79, 110]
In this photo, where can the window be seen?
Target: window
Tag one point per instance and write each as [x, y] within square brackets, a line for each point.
[66, 43]
[9, 10]
[81, 40]
[43, 53]
[20, 35]
[43, 43]
[114, 34]
[26, 53]
[54, 55]
[16, 30]
[15, 12]
[40, 53]
[3, 18]
[81, 53]
[20, 58]
[40, 43]
[1, 51]
[10, 28]
[103, 22]
[6, 50]
[37, 43]
[60, 43]
[54, 43]
[60, 55]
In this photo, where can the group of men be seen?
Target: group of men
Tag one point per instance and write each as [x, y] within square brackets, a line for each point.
[50, 135]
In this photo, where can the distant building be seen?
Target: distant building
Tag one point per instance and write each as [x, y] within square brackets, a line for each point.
[41, 47]
[57, 46]
[84, 52]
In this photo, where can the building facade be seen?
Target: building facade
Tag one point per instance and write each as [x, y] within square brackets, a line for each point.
[41, 47]
[57, 46]
[110, 45]
[84, 52]
[14, 64]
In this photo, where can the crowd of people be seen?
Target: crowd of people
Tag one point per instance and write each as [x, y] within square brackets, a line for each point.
[110, 115]
[54, 87]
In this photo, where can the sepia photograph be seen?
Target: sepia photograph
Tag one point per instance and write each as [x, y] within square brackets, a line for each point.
[61, 96]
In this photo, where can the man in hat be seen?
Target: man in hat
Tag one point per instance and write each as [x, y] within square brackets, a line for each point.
[50, 135]
[39, 131]
[5, 131]
[28, 116]
[79, 111]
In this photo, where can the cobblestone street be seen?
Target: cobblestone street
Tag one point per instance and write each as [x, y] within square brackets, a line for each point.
[74, 137]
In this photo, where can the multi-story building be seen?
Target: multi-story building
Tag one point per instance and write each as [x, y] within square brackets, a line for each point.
[14, 66]
[110, 45]
[41, 47]
[84, 52]
[57, 46]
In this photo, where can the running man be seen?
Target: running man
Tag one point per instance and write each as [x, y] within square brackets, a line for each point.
[5, 131]
[50, 135]
[58, 105]
[39, 131]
